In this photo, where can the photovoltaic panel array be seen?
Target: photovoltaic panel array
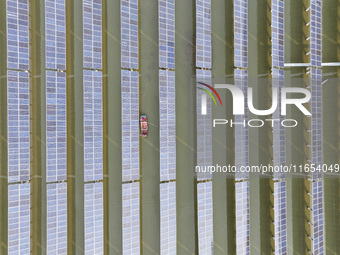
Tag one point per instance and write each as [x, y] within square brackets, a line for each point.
[130, 148]
[168, 218]
[205, 217]
[167, 34]
[240, 33]
[277, 29]
[242, 218]
[94, 236]
[129, 33]
[93, 127]
[56, 126]
[280, 217]
[318, 225]
[203, 33]
[55, 34]
[57, 218]
[92, 33]
[131, 216]
[130, 127]
[316, 125]
[18, 127]
[19, 219]
[167, 125]
[17, 34]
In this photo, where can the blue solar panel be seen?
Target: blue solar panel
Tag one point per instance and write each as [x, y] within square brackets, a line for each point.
[277, 34]
[19, 219]
[129, 33]
[167, 33]
[130, 127]
[94, 229]
[240, 33]
[18, 127]
[168, 218]
[280, 217]
[17, 34]
[92, 33]
[167, 125]
[93, 127]
[55, 34]
[131, 224]
[205, 218]
[318, 218]
[55, 126]
[57, 218]
[203, 34]
[316, 125]
[242, 218]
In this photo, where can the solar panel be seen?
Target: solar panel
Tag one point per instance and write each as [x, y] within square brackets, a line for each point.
[92, 33]
[94, 233]
[167, 125]
[55, 28]
[242, 217]
[93, 127]
[316, 124]
[203, 33]
[57, 218]
[167, 34]
[18, 126]
[19, 219]
[55, 126]
[131, 216]
[168, 217]
[129, 33]
[17, 34]
[130, 126]
[205, 217]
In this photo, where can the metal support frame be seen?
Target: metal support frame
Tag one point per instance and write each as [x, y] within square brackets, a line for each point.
[223, 144]
[149, 146]
[75, 127]
[38, 128]
[261, 199]
[331, 119]
[112, 127]
[3, 132]
[186, 141]
[296, 47]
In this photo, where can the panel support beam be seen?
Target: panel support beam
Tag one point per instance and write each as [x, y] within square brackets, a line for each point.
[296, 47]
[112, 127]
[75, 127]
[331, 119]
[223, 144]
[149, 146]
[3, 132]
[38, 128]
[261, 199]
[186, 141]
